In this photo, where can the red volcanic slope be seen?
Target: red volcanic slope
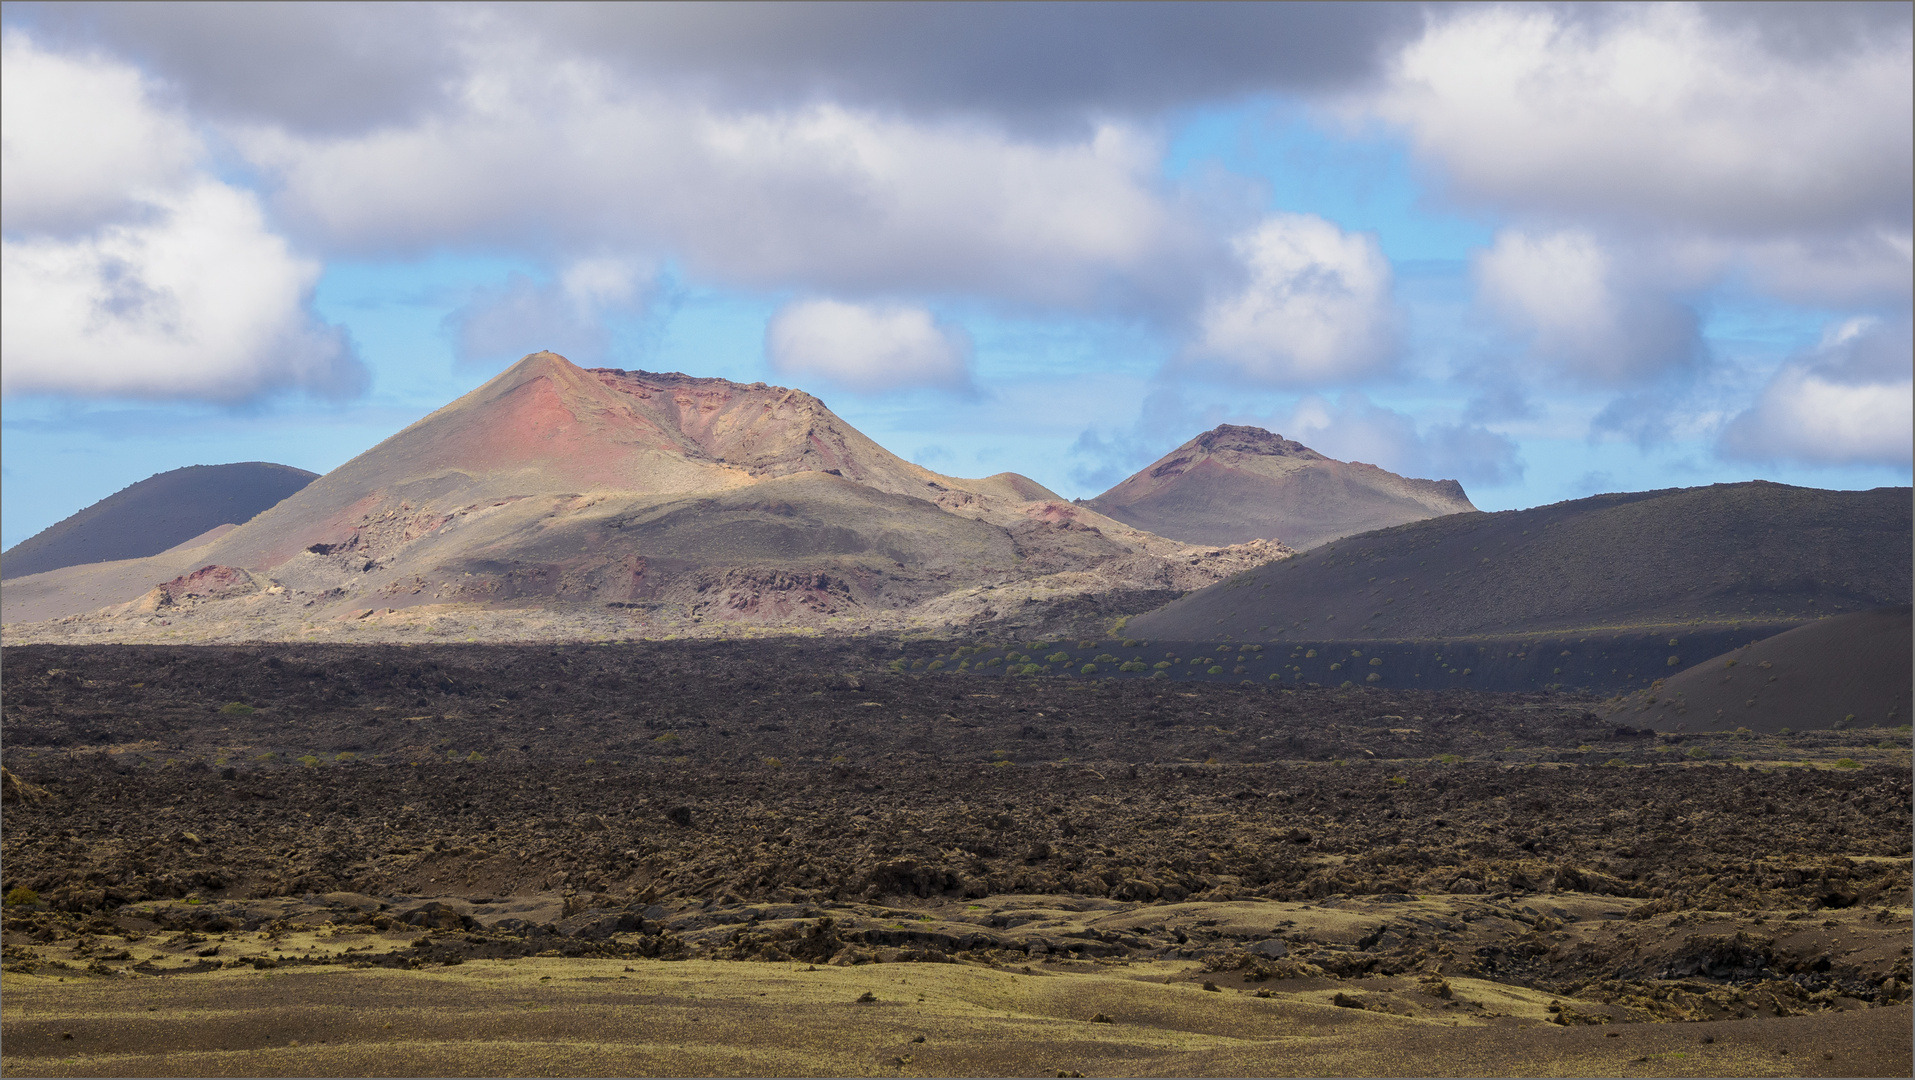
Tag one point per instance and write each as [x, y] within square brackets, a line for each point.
[546, 426]
[1233, 484]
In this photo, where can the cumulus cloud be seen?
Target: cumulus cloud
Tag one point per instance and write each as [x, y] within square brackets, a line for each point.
[344, 65]
[1354, 428]
[1848, 401]
[1315, 307]
[201, 302]
[1581, 313]
[1657, 113]
[127, 271]
[865, 348]
[78, 142]
[1649, 153]
[566, 315]
[541, 154]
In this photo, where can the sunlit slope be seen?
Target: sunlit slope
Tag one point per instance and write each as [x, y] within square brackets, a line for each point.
[1720, 554]
[1234, 484]
[554, 484]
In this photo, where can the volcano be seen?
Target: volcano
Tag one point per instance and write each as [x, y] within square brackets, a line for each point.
[623, 496]
[1233, 484]
[165, 510]
[1726, 555]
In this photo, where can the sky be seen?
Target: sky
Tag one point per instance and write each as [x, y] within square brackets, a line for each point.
[1545, 250]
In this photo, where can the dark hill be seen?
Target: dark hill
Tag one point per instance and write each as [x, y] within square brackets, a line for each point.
[1233, 484]
[1729, 553]
[1853, 670]
[155, 514]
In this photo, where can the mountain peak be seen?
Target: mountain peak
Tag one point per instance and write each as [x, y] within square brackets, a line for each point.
[1236, 483]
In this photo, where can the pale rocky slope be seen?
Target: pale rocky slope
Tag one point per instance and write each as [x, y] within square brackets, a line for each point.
[566, 503]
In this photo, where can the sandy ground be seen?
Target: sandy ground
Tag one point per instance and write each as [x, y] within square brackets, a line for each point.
[548, 1017]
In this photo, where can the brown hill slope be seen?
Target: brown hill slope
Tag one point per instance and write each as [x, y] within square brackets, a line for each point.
[555, 487]
[157, 513]
[1853, 670]
[1756, 552]
[1232, 484]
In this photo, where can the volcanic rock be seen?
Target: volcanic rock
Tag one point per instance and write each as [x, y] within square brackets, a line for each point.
[603, 502]
[1233, 484]
[1722, 555]
[171, 509]
[1849, 671]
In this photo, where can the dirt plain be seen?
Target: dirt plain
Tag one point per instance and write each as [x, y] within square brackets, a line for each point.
[651, 858]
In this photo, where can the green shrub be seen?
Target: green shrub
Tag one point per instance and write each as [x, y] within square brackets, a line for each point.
[1448, 759]
[1311, 655]
[236, 708]
[935, 665]
[1697, 752]
[1087, 669]
[668, 738]
[475, 757]
[20, 896]
[1161, 665]
[993, 662]
[1132, 643]
[1058, 658]
[1374, 677]
[898, 664]
[1847, 763]
[1376, 661]
[1213, 670]
[1133, 665]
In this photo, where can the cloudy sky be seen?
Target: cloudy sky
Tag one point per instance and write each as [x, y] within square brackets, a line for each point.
[1548, 251]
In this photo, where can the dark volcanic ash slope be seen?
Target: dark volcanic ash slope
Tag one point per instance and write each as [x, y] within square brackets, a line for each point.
[1850, 671]
[1233, 484]
[155, 514]
[1724, 554]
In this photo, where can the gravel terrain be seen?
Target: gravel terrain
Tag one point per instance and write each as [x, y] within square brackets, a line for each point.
[196, 812]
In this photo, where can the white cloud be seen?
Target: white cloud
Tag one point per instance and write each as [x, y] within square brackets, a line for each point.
[127, 272]
[78, 140]
[1582, 313]
[1315, 308]
[567, 315]
[1650, 153]
[201, 302]
[1655, 113]
[559, 153]
[870, 349]
[1848, 401]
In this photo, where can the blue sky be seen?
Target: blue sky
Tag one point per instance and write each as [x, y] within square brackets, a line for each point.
[1459, 242]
